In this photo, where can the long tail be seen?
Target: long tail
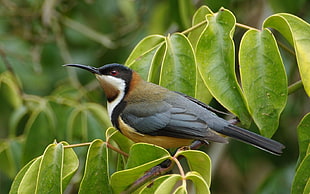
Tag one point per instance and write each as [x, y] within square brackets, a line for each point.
[254, 139]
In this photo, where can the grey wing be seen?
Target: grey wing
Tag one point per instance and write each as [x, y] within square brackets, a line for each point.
[167, 119]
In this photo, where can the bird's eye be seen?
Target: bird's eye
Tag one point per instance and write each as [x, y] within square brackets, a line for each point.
[113, 73]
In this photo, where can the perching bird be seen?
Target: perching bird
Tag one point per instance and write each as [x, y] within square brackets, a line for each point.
[146, 112]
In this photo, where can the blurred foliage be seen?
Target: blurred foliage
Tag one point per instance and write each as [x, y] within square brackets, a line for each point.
[41, 101]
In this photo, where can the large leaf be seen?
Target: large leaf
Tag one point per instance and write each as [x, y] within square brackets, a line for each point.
[142, 157]
[301, 183]
[142, 56]
[215, 54]
[50, 170]
[202, 92]
[297, 32]
[96, 174]
[28, 182]
[178, 72]
[200, 162]
[19, 177]
[200, 184]
[263, 79]
[168, 184]
[70, 165]
[303, 136]
[199, 16]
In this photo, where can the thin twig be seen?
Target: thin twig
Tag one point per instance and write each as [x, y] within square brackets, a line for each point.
[117, 150]
[78, 145]
[194, 27]
[89, 143]
[246, 27]
[295, 86]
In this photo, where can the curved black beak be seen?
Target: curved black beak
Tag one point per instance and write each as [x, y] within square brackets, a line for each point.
[86, 67]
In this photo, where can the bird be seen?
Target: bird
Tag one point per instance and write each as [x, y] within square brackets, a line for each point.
[149, 113]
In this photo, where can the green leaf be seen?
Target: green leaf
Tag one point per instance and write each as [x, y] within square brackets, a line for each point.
[178, 72]
[96, 175]
[70, 165]
[151, 153]
[50, 170]
[151, 188]
[215, 54]
[180, 190]
[302, 176]
[142, 55]
[138, 164]
[199, 16]
[122, 141]
[202, 92]
[263, 79]
[19, 177]
[28, 184]
[198, 161]
[303, 136]
[200, 184]
[297, 32]
[168, 184]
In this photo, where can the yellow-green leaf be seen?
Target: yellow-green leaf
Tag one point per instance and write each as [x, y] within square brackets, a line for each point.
[263, 79]
[297, 32]
[215, 55]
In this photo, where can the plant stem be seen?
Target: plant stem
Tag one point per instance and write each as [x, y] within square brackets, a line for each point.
[194, 27]
[295, 86]
[89, 143]
[246, 27]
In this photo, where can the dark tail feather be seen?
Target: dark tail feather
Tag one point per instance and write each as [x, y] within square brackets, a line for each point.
[254, 139]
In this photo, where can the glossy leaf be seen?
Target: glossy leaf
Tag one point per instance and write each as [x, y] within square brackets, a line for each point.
[303, 136]
[28, 184]
[96, 174]
[215, 54]
[138, 164]
[151, 188]
[202, 92]
[142, 56]
[198, 161]
[19, 177]
[122, 141]
[302, 176]
[199, 16]
[263, 79]
[297, 32]
[178, 71]
[168, 184]
[70, 165]
[50, 170]
[201, 185]
[180, 190]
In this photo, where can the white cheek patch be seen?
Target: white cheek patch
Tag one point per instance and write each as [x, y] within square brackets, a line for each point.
[118, 84]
